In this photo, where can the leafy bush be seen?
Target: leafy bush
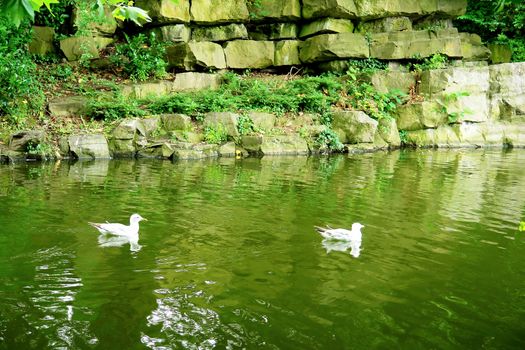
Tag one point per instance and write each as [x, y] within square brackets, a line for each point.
[20, 92]
[110, 110]
[500, 21]
[328, 139]
[141, 57]
[215, 134]
[245, 125]
[436, 61]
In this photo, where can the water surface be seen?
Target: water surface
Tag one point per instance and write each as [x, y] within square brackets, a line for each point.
[230, 258]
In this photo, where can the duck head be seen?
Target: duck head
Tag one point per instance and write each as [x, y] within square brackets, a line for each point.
[136, 218]
[357, 226]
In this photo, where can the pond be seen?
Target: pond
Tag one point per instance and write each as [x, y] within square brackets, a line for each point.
[230, 259]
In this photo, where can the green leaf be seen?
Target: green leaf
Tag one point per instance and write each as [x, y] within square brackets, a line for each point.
[136, 15]
[18, 10]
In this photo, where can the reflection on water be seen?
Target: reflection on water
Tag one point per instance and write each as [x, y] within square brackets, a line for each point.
[230, 258]
[342, 246]
[106, 241]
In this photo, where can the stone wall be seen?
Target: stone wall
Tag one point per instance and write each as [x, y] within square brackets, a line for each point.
[468, 107]
[257, 34]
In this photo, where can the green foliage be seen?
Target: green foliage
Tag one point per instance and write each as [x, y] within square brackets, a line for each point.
[403, 135]
[245, 125]
[328, 139]
[500, 21]
[215, 134]
[40, 150]
[141, 57]
[445, 104]
[110, 110]
[436, 61]
[57, 16]
[365, 66]
[20, 92]
[522, 226]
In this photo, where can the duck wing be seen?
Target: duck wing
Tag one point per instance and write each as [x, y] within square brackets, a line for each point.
[114, 229]
[334, 233]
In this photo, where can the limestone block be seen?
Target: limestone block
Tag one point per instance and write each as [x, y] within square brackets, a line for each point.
[389, 132]
[228, 120]
[219, 11]
[389, 24]
[152, 88]
[89, 146]
[287, 53]
[446, 137]
[173, 33]
[275, 10]
[67, 106]
[127, 129]
[42, 41]
[172, 122]
[187, 151]
[408, 116]
[422, 43]
[386, 81]
[472, 80]
[356, 126]
[242, 54]
[273, 31]
[196, 81]
[472, 49]
[507, 79]
[370, 9]
[514, 134]
[75, 47]
[329, 8]
[193, 55]
[500, 53]
[283, 144]
[495, 133]
[166, 10]
[220, 33]
[421, 138]
[328, 47]
[152, 125]
[122, 148]
[431, 22]
[262, 121]
[469, 134]
[444, 8]
[326, 26]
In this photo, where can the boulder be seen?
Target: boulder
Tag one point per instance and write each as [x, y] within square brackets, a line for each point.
[21, 141]
[219, 11]
[66, 106]
[389, 24]
[472, 48]
[243, 54]
[42, 41]
[190, 81]
[275, 145]
[166, 11]
[329, 8]
[76, 47]
[287, 53]
[388, 131]
[187, 151]
[444, 8]
[326, 26]
[328, 47]
[194, 55]
[220, 33]
[387, 80]
[175, 33]
[172, 122]
[262, 121]
[227, 119]
[435, 83]
[229, 149]
[275, 10]
[354, 126]
[89, 146]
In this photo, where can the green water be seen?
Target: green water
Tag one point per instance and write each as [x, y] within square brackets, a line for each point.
[230, 258]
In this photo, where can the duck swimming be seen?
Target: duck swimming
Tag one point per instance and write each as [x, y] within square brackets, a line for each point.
[341, 233]
[130, 231]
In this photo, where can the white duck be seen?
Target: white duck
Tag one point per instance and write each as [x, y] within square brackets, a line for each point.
[131, 231]
[342, 234]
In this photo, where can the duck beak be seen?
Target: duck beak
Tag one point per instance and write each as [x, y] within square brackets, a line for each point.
[144, 219]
